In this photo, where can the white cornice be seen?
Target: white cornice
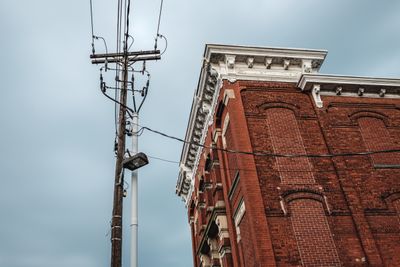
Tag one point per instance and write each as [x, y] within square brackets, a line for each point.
[350, 86]
[264, 51]
[307, 80]
[235, 63]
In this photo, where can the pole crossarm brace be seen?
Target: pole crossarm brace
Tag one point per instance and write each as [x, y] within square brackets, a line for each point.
[131, 56]
[144, 52]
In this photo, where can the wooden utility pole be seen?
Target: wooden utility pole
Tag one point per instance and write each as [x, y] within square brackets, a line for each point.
[123, 59]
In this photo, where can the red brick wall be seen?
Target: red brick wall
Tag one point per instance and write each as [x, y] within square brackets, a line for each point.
[232, 166]
[307, 211]
[396, 205]
[312, 233]
[377, 137]
[286, 139]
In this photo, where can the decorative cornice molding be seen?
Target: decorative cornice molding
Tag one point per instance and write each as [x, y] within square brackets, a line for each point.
[263, 63]
[235, 63]
[351, 86]
[306, 81]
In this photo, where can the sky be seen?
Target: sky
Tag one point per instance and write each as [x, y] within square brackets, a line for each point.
[57, 129]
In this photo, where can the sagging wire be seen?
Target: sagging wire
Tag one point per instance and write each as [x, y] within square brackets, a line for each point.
[133, 90]
[104, 41]
[166, 44]
[256, 169]
[144, 92]
[269, 154]
[133, 40]
[165, 160]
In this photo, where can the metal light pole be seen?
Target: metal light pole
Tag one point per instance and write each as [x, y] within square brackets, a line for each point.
[134, 195]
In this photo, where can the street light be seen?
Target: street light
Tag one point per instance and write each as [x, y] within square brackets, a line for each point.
[135, 162]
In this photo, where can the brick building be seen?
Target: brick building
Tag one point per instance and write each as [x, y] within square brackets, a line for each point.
[301, 196]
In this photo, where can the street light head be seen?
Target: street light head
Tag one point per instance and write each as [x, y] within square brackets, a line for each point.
[135, 162]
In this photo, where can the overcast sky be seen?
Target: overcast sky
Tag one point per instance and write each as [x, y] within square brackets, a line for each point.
[57, 133]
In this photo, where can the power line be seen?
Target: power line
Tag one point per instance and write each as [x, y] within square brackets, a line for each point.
[165, 160]
[166, 44]
[257, 168]
[159, 17]
[158, 25]
[91, 22]
[269, 154]
[127, 25]
[117, 67]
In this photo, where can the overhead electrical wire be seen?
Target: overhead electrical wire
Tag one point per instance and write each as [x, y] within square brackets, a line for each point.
[127, 25]
[166, 44]
[129, 111]
[144, 92]
[256, 169]
[91, 22]
[104, 41]
[269, 154]
[123, 46]
[161, 159]
[159, 17]
[158, 26]
[125, 16]
[95, 37]
[133, 40]
[117, 68]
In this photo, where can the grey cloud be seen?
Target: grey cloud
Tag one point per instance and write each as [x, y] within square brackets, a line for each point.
[57, 130]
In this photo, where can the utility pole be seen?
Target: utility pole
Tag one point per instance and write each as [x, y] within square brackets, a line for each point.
[116, 221]
[124, 59]
[123, 63]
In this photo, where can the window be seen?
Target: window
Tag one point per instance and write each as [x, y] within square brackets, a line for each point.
[377, 138]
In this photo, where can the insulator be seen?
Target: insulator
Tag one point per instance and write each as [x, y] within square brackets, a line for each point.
[128, 132]
[144, 67]
[115, 147]
[102, 83]
[129, 129]
[143, 91]
[106, 65]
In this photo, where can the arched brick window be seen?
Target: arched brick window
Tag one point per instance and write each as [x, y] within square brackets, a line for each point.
[392, 198]
[377, 137]
[286, 138]
[396, 205]
[228, 136]
[312, 233]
